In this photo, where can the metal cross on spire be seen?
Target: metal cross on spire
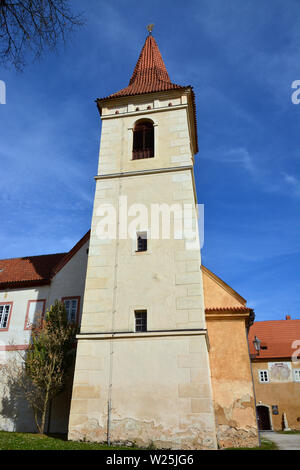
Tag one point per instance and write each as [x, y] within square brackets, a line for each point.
[150, 28]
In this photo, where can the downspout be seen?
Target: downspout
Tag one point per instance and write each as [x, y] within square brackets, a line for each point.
[247, 327]
[111, 354]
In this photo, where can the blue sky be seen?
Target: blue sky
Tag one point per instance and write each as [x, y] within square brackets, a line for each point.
[241, 57]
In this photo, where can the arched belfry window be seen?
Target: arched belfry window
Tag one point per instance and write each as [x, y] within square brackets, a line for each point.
[143, 140]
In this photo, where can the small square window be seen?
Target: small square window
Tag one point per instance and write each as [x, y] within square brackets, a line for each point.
[140, 320]
[263, 376]
[297, 375]
[142, 242]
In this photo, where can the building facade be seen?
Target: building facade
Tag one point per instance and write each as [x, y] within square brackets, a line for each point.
[150, 383]
[276, 372]
[142, 370]
[28, 287]
[162, 353]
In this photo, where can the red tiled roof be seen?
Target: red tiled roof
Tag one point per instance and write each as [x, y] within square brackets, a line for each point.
[278, 336]
[150, 73]
[30, 270]
[149, 76]
[229, 309]
[35, 270]
[236, 310]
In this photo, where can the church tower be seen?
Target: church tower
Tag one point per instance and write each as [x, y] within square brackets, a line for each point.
[142, 369]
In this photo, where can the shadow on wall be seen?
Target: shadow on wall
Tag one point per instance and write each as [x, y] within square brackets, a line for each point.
[16, 413]
[58, 417]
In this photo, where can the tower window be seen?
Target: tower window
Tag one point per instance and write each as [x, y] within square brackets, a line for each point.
[140, 320]
[142, 242]
[143, 140]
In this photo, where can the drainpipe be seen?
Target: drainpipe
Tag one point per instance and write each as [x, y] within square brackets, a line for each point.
[254, 395]
[111, 355]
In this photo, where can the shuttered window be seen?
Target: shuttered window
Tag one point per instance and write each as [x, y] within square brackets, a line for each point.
[263, 376]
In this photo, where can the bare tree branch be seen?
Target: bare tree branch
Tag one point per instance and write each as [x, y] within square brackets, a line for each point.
[28, 27]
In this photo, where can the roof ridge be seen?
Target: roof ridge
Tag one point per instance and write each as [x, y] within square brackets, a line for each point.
[70, 254]
[224, 285]
[33, 256]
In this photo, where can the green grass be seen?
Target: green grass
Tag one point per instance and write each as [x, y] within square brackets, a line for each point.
[288, 432]
[265, 445]
[21, 441]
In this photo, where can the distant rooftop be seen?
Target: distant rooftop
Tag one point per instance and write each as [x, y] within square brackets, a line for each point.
[276, 336]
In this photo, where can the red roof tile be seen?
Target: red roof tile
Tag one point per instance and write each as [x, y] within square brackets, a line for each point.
[278, 336]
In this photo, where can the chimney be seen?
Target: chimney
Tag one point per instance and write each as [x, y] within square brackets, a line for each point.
[287, 317]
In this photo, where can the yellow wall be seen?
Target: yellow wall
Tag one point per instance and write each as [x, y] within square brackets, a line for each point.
[230, 366]
[231, 382]
[285, 395]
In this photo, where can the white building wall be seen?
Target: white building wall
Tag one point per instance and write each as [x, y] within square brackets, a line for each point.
[15, 414]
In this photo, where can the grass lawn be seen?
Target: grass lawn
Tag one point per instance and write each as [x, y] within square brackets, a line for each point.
[265, 445]
[20, 441]
[288, 432]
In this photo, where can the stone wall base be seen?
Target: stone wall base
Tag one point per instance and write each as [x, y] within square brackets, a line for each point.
[130, 433]
[237, 437]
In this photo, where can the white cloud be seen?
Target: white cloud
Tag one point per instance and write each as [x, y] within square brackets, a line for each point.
[293, 183]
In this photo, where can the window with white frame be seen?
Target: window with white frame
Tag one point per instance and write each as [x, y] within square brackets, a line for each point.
[263, 376]
[4, 315]
[297, 375]
[71, 306]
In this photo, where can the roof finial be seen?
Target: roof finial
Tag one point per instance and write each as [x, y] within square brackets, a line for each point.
[150, 28]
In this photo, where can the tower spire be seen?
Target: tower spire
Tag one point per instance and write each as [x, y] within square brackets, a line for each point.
[150, 76]
[150, 73]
